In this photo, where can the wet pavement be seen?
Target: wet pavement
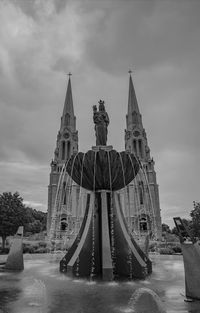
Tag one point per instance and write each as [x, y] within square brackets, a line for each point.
[41, 288]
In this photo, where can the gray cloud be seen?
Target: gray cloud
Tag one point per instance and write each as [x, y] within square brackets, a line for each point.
[40, 41]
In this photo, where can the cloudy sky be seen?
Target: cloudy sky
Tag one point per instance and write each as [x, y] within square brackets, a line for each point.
[99, 41]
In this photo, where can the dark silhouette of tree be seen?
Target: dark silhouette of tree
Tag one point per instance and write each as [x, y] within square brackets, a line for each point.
[37, 223]
[12, 214]
[165, 228]
[195, 214]
[187, 223]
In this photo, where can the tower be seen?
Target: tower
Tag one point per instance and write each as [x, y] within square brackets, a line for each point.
[66, 145]
[143, 191]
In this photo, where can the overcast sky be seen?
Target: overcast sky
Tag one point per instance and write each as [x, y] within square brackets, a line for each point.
[99, 41]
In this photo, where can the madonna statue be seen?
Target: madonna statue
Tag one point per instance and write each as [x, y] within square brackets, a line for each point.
[101, 121]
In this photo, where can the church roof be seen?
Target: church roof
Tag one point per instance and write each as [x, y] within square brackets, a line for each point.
[132, 100]
[133, 116]
[68, 106]
[68, 117]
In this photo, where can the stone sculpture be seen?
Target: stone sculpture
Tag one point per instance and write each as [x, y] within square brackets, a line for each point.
[15, 261]
[101, 121]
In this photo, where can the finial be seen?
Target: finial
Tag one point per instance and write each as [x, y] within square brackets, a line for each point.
[101, 101]
[69, 74]
[130, 72]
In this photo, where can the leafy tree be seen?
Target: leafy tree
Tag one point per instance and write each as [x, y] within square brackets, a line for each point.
[195, 214]
[12, 214]
[41, 217]
[38, 220]
[187, 223]
[165, 228]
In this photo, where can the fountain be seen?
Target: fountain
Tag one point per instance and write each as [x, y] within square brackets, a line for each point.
[104, 247]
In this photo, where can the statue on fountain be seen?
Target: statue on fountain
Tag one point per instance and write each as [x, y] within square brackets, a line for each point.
[101, 121]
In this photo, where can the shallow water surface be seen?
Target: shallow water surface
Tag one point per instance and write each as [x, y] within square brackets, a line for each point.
[41, 288]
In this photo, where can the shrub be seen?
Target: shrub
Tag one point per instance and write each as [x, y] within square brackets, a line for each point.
[28, 248]
[4, 251]
[177, 249]
[166, 251]
[42, 244]
[153, 247]
[41, 250]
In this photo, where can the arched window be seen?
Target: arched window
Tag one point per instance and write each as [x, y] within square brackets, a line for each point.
[141, 192]
[143, 223]
[140, 148]
[63, 224]
[64, 193]
[68, 149]
[135, 146]
[63, 150]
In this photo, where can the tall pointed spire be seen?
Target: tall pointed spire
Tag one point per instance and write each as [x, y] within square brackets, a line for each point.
[68, 118]
[133, 117]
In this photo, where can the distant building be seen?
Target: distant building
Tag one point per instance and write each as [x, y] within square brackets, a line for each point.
[140, 198]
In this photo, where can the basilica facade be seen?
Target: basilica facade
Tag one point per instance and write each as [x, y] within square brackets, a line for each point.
[140, 199]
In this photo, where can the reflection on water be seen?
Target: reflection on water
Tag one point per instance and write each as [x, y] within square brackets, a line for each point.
[41, 288]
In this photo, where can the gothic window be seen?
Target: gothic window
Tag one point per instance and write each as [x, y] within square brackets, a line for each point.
[140, 148]
[67, 119]
[68, 149]
[63, 224]
[64, 193]
[135, 146]
[63, 150]
[143, 223]
[141, 192]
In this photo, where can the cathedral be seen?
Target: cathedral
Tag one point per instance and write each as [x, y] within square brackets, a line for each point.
[140, 200]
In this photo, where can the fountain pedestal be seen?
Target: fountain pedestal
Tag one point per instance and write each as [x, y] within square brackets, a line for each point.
[104, 248]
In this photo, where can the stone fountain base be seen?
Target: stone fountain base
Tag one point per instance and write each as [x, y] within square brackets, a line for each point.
[104, 248]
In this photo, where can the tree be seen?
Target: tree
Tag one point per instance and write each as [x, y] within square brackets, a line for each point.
[165, 228]
[187, 223]
[12, 214]
[195, 214]
[37, 223]
[41, 217]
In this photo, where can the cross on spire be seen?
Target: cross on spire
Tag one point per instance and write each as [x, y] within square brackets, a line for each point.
[69, 74]
[130, 72]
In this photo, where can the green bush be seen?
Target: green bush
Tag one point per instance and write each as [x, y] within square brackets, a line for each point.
[166, 251]
[177, 249]
[4, 251]
[41, 247]
[152, 247]
[42, 244]
[41, 250]
[28, 248]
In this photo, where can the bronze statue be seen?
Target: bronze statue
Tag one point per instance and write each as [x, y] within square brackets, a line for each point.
[101, 121]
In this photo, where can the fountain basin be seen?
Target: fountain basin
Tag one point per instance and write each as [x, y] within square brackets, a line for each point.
[103, 170]
[42, 288]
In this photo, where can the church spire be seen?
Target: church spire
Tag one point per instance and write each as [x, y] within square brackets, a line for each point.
[133, 116]
[68, 118]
